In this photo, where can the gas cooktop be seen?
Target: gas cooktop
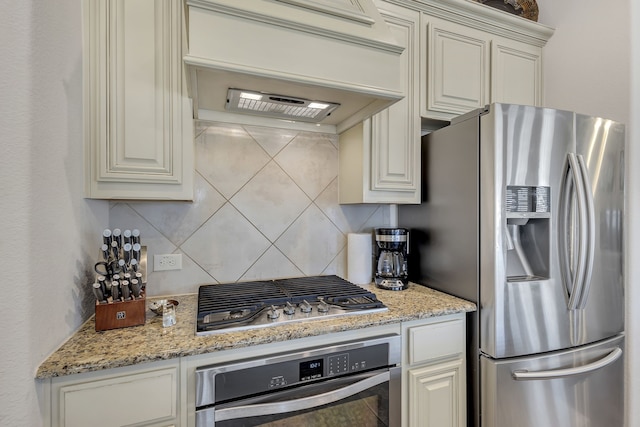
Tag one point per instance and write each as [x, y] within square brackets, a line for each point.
[247, 305]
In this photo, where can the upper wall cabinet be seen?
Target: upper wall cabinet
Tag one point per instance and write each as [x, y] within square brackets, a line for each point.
[138, 120]
[379, 158]
[473, 55]
[459, 55]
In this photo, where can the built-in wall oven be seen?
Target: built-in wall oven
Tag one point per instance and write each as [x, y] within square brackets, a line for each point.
[355, 383]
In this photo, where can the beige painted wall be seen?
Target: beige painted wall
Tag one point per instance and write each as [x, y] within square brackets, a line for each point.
[47, 226]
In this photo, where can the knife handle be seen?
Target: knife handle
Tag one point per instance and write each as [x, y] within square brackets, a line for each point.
[105, 251]
[115, 292]
[126, 252]
[117, 237]
[126, 234]
[135, 236]
[135, 287]
[97, 291]
[126, 293]
[106, 237]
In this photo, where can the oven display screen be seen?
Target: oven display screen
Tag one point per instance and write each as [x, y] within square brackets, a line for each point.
[311, 369]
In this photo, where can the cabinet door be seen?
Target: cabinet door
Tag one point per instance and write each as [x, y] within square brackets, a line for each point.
[138, 121]
[146, 398]
[436, 395]
[516, 73]
[380, 159]
[455, 69]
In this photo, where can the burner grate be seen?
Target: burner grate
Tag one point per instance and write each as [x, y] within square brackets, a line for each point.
[244, 301]
[238, 296]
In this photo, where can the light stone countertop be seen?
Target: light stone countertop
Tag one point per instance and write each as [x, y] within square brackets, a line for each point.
[88, 350]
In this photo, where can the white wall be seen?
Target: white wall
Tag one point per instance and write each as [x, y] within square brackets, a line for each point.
[586, 62]
[48, 229]
[589, 68]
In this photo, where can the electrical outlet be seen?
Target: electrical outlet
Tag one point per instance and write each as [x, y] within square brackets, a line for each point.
[167, 262]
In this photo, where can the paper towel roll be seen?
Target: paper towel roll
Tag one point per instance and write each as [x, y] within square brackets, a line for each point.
[359, 267]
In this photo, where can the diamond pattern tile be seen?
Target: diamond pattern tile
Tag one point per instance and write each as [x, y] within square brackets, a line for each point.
[178, 221]
[348, 218]
[311, 160]
[271, 201]
[312, 241]
[226, 245]
[227, 157]
[271, 139]
[272, 265]
[266, 206]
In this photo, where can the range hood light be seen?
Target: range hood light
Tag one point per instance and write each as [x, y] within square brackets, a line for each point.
[253, 96]
[318, 105]
[278, 106]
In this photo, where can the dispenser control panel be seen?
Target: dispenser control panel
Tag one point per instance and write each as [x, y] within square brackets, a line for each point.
[527, 199]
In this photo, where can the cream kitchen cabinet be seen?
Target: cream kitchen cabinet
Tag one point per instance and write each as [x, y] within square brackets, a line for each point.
[380, 158]
[467, 69]
[516, 72]
[473, 55]
[434, 372]
[455, 70]
[143, 395]
[138, 119]
[459, 55]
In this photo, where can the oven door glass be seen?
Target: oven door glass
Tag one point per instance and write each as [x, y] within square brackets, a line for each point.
[365, 400]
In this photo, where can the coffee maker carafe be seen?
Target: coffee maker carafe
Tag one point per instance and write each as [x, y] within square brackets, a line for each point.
[391, 258]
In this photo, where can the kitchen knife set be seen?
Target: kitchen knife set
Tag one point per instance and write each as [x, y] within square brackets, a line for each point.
[119, 276]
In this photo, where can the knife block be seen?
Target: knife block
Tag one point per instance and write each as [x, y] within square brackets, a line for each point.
[121, 314]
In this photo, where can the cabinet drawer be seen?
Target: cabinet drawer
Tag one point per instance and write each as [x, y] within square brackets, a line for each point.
[122, 400]
[436, 340]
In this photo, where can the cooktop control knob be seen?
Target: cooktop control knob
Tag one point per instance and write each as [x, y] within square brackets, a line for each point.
[289, 309]
[305, 307]
[323, 307]
[273, 312]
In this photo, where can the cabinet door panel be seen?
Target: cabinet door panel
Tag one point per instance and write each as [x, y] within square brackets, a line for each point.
[457, 69]
[436, 395]
[380, 158]
[147, 397]
[140, 98]
[138, 123]
[516, 73]
[394, 132]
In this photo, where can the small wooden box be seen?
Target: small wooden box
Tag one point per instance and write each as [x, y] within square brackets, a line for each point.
[120, 314]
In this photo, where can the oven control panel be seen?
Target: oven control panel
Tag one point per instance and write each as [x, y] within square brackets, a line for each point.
[281, 371]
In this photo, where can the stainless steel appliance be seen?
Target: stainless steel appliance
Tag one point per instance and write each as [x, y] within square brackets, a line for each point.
[522, 213]
[355, 383]
[391, 258]
[257, 304]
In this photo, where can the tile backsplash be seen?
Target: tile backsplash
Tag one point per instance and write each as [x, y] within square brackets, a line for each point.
[265, 206]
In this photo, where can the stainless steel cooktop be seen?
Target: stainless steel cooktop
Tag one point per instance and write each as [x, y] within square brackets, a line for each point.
[247, 305]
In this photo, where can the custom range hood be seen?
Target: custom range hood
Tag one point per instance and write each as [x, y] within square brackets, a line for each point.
[276, 61]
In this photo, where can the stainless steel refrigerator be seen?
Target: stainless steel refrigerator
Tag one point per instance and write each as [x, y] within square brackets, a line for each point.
[522, 213]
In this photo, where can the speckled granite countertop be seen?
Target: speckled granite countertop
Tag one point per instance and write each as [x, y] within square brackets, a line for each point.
[88, 350]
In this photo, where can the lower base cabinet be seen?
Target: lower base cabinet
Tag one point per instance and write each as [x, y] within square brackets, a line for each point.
[144, 396]
[162, 394]
[434, 373]
[434, 395]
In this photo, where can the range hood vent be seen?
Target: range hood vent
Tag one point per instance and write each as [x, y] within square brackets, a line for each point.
[278, 106]
[339, 51]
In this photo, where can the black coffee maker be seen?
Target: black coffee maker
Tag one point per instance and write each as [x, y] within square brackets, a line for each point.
[391, 258]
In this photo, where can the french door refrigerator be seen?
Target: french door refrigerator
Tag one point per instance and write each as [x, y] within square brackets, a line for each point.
[522, 213]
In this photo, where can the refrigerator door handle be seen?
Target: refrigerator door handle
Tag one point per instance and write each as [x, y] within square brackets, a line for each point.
[523, 374]
[573, 185]
[591, 233]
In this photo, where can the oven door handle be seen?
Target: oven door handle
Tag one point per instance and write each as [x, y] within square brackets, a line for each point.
[284, 407]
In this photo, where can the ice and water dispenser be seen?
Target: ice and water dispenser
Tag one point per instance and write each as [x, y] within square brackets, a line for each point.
[527, 232]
